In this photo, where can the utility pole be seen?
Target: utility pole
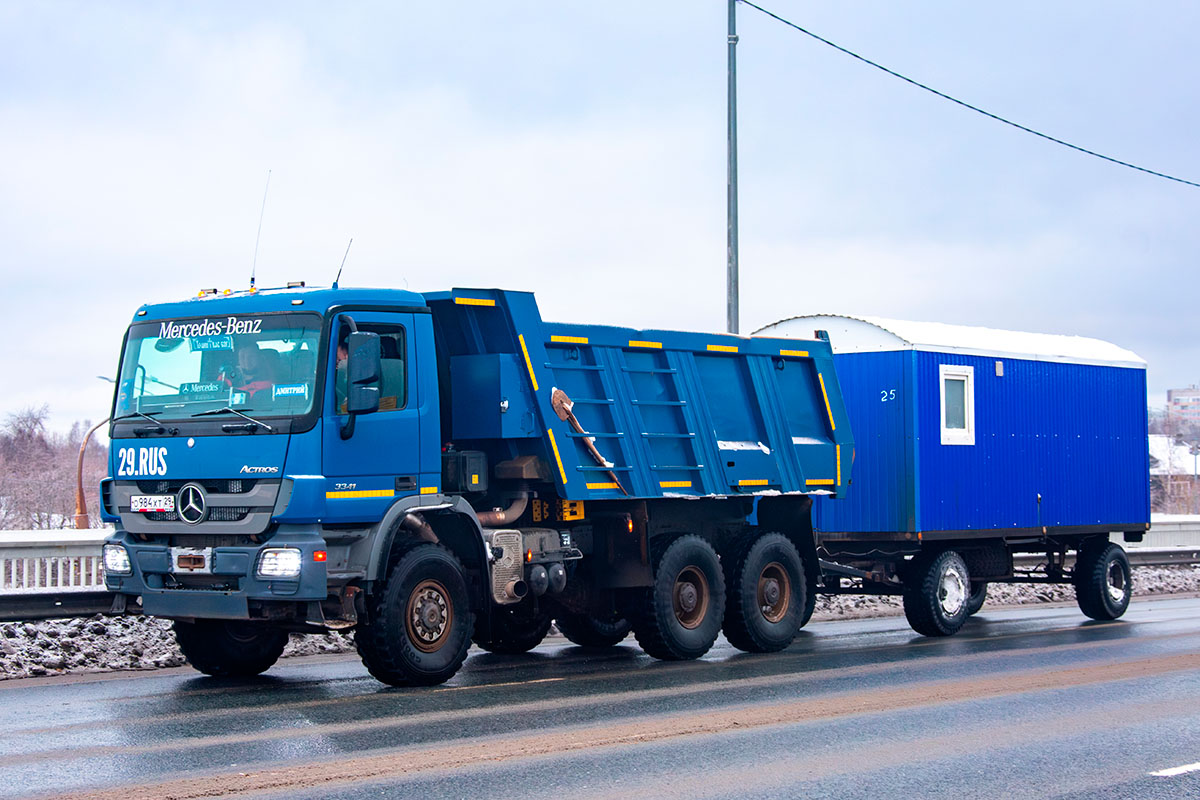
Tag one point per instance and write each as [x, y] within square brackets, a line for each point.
[731, 275]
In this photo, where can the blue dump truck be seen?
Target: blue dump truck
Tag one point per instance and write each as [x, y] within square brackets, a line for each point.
[436, 469]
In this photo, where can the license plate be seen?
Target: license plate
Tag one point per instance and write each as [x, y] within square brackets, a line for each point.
[152, 502]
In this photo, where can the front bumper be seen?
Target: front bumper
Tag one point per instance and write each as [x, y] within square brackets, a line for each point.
[230, 590]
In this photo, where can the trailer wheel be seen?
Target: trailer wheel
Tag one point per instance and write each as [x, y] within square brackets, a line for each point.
[936, 588]
[767, 595]
[515, 630]
[1103, 581]
[588, 631]
[679, 617]
[420, 622]
[229, 648]
[977, 597]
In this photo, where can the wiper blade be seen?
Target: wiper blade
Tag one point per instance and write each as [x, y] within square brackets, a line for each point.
[151, 416]
[232, 410]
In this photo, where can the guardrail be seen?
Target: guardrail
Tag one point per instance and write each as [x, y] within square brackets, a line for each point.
[60, 573]
[52, 573]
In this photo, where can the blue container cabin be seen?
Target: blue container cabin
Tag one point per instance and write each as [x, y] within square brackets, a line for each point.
[969, 433]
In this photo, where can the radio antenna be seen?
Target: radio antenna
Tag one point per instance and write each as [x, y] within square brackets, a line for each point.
[254, 265]
[339, 275]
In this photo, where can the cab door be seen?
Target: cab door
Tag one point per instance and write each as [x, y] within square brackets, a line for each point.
[382, 459]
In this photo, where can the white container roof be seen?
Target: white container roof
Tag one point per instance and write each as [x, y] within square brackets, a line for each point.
[849, 334]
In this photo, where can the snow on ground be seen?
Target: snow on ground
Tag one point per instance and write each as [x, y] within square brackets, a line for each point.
[106, 644]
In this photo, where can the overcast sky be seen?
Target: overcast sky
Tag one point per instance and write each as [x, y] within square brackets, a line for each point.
[578, 150]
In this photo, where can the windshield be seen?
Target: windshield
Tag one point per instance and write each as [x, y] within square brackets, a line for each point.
[264, 364]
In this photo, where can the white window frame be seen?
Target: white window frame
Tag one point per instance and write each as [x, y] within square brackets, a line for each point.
[957, 436]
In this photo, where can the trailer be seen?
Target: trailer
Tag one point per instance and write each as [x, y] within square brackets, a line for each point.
[975, 444]
[435, 469]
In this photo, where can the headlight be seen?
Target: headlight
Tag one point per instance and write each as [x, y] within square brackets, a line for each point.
[116, 560]
[279, 562]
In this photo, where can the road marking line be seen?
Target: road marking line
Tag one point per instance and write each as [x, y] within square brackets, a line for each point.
[1173, 771]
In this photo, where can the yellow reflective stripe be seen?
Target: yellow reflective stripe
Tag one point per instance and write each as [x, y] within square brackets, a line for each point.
[557, 457]
[838, 449]
[528, 363]
[794, 353]
[639, 343]
[569, 339]
[675, 484]
[820, 482]
[755, 482]
[723, 348]
[602, 486]
[473, 301]
[360, 493]
[828, 410]
[429, 490]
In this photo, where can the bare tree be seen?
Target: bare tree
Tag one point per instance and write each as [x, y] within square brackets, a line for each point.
[37, 472]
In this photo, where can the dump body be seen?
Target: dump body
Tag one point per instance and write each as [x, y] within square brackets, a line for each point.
[671, 414]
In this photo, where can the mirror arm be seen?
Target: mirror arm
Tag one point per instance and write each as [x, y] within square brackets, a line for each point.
[347, 428]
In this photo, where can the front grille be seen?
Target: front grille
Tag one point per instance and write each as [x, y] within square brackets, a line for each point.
[211, 485]
[228, 513]
[215, 514]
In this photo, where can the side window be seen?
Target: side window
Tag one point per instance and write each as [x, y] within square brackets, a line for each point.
[393, 384]
[957, 404]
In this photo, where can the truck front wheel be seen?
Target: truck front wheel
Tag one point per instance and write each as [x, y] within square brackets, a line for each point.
[588, 631]
[420, 622]
[229, 648]
[1103, 581]
[936, 592]
[515, 630]
[679, 617]
[767, 595]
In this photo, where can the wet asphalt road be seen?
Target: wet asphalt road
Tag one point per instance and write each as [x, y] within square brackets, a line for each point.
[1022, 703]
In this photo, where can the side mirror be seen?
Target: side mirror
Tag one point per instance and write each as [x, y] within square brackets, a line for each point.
[363, 372]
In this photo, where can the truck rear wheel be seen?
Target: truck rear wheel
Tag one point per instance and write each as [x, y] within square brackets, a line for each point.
[936, 588]
[1103, 581]
[515, 630]
[767, 595]
[679, 617]
[420, 622]
[588, 631]
[229, 648]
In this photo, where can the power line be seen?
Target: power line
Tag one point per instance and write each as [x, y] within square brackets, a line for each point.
[956, 101]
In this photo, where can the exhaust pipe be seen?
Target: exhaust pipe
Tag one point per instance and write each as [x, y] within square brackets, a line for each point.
[515, 590]
[497, 518]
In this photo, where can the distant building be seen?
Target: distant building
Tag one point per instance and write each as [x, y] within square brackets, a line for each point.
[1184, 404]
[1174, 475]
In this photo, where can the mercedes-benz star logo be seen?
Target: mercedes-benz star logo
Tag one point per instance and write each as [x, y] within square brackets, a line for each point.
[190, 502]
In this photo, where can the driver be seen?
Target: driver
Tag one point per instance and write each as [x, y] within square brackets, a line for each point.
[254, 369]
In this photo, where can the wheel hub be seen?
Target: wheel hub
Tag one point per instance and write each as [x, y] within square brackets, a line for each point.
[429, 616]
[690, 597]
[952, 592]
[1117, 586]
[774, 592]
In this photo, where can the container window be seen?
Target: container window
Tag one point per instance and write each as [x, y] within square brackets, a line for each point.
[957, 404]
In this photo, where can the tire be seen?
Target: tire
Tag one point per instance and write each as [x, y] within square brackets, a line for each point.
[515, 630]
[419, 625]
[936, 588]
[977, 597]
[1103, 581]
[588, 631]
[680, 616]
[230, 648]
[767, 595]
